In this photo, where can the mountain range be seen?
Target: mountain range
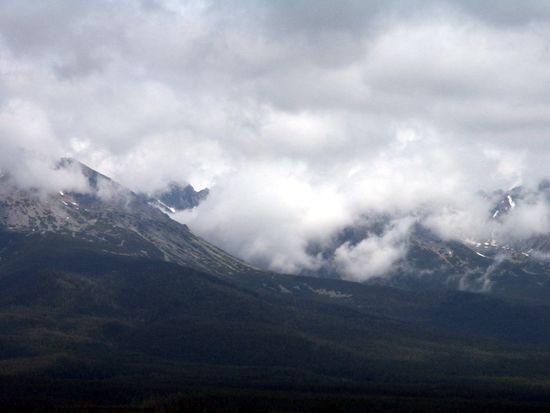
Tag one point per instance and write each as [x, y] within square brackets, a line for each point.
[176, 198]
[509, 268]
[105, 300]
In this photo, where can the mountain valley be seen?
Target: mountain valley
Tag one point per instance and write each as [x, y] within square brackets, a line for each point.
[102, 293]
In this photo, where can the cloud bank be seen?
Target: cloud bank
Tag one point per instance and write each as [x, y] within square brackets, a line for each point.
[302, 117]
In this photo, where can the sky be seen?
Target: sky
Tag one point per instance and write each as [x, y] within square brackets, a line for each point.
[302, 117]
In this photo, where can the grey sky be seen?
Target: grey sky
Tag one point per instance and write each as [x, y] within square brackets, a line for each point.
[302, 116]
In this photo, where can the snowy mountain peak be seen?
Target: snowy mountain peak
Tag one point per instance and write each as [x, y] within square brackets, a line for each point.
[110, 215]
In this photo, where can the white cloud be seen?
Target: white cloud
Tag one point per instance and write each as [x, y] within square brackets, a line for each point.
[301, 119]
[374, 255]
[268, 214]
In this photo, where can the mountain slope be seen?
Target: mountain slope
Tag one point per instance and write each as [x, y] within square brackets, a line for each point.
[102, 296]
[71, 310]
[509, 268]
[111, 215]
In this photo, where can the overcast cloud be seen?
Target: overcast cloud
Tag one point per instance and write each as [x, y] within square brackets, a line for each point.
[301, 116]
